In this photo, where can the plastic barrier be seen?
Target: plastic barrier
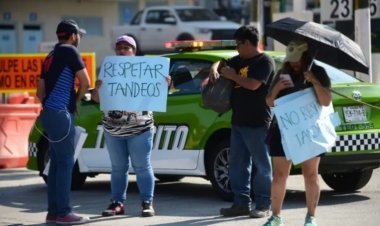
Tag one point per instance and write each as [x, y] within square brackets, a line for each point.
[16, 121]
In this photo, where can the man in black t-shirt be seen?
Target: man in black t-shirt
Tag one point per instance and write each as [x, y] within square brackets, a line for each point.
[59, 102]
[252, 72]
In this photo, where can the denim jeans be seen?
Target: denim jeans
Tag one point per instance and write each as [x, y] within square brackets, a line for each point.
[59, 126]
[247, 146]
[138, 148]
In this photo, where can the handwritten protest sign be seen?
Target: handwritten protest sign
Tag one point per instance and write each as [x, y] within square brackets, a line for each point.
[134, 83]
[307, 128]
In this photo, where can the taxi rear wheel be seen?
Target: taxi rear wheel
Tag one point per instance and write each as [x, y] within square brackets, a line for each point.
[347, 182]
[78, 179]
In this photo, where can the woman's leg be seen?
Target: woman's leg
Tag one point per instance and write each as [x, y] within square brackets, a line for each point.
[312, 188]
[118, 152]
[140, 149]
[281, 169]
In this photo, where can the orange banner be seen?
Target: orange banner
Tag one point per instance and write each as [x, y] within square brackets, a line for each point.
[20, 72]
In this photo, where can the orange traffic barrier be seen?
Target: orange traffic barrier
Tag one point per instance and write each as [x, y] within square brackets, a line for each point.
[16, 121]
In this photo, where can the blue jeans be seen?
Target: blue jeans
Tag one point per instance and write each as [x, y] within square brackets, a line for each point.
[139, 149]
[59, 126]
[247, 146]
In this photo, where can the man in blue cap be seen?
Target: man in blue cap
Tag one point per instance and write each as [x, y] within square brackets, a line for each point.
[59, 100]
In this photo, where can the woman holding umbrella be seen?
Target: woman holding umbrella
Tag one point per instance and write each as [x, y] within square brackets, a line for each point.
[296, 74]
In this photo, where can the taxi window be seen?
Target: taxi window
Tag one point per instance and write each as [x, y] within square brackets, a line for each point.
[187, 76]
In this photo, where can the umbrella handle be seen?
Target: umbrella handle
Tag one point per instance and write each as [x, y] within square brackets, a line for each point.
[311, 63]
[312, 60]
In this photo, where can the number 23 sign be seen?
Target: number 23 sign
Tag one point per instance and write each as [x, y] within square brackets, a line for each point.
[338, 10]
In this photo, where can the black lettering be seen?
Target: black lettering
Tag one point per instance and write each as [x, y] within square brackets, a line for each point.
[112, 87]
[144, 89]
[124, 68]
[290, 119]
[158, 68]
[119, 88]
[109, 69]
[157, 88]
[136, 89]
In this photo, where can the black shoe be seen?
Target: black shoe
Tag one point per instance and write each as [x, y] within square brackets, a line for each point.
[115, 208]
[259, 213]
[235, 210]
[147, 209]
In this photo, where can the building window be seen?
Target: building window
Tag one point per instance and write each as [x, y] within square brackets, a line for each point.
[93, 25]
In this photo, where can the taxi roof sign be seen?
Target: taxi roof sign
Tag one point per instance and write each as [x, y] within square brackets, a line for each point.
[200, 44]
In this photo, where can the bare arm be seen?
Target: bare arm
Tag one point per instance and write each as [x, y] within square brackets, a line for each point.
[41, 89]
[214, 71]
[95, 92]
[84, 84]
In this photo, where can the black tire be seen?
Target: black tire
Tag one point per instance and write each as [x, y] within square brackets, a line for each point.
[347, 182]
[78, 179]
[168, 178]
[217, 169]
[184, 37]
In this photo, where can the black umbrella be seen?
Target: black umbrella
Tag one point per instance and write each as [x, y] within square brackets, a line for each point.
[328, 45]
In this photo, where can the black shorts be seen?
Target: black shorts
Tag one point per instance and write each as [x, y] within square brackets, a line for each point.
[274, 142]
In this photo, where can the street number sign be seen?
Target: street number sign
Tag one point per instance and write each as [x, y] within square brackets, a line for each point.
[336, 10]
[339, 10]
[374, 8]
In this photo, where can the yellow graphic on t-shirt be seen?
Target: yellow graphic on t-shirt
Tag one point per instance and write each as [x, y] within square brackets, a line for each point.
[243, 72]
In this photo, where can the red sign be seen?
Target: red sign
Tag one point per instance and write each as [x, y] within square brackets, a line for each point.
[20, 72]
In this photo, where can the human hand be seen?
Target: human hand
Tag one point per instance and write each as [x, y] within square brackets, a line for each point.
[95, 92]
[98, 83]
[213, 75]
[309, 76]
[168, 79]
[228, 72]
[284, 82]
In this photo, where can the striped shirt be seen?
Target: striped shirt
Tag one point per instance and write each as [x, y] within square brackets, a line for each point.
[58, 71]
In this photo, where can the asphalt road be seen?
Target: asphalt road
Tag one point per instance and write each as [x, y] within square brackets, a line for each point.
[188, 202]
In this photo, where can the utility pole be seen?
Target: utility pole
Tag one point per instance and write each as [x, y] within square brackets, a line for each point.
[363, 35]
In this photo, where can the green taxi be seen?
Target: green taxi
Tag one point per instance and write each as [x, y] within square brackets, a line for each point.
[191, 140]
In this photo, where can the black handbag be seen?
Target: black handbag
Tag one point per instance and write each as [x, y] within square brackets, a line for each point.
[217, 95]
